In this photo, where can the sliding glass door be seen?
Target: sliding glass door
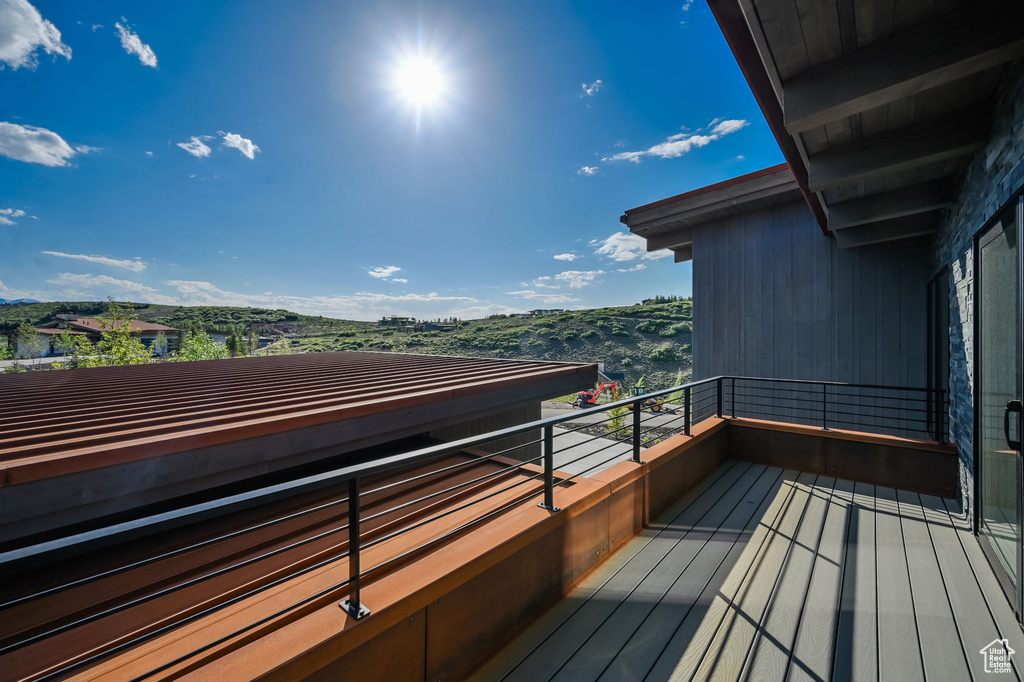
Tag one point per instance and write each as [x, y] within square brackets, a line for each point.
[998, 384]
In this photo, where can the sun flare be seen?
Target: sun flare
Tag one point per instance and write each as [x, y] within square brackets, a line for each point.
[420, 81]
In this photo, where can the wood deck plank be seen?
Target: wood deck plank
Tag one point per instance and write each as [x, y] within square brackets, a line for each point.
[770, 653]
[899, 652]
[684, 652]
[815, 642]
[641, 651]
[994, 598]
[975, 623]
[726, 655]
[534, 636]
[941, 651]
[610, 636]
[857, 632]
[556, 650]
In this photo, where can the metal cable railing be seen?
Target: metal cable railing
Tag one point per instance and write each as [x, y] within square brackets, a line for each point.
[628, 425]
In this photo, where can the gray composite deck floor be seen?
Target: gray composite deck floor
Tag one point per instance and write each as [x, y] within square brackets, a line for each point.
[764, 574]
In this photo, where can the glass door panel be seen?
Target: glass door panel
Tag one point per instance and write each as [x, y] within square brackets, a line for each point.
[999, 365]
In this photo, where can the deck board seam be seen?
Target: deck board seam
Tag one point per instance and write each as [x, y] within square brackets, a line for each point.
[945, 589]
[718, 474]
[653, 569]
[842, 577]
[744, 584]
[810, 576]
[910, 580]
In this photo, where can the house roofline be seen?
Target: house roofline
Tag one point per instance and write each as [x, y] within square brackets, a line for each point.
[734, 27]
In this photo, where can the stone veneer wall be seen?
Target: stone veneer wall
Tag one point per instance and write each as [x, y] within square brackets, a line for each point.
[992, 176]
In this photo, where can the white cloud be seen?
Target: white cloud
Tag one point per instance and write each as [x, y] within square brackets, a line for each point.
[105, 282]
[638, 266]
[133, 265]
[132, 44]
[591, 89]
[624, 246]
[23, 31]
[532, 295]
[95, 27]
[149, 153]
[400, 280]
[34, 145]
[587, 170]
[363, 305]
[687, 4]
[241, 144]
[681, 143]
[6, 221]
[568, 257]
[577, 279]
[384, 272]
[196, 148]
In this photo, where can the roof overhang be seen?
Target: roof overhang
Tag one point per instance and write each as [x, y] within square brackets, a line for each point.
[669, 223]
[874, 109]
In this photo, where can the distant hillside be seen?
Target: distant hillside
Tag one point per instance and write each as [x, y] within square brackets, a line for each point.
[207, 317]
[650, 340]
[17, 301]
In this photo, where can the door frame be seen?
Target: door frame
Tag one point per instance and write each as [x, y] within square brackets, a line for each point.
[1014, 592]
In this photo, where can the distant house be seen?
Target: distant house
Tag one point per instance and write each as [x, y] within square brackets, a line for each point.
[433, 327]
[545, 311]
[91, 328]
[396, 321]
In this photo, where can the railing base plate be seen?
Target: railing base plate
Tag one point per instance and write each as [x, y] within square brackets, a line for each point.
[351, 610]
[544, 506]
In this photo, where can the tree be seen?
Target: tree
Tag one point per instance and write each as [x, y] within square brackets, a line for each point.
[65, 343]
[30, 343]
[159, 344]
[199, 346]
[117, 345]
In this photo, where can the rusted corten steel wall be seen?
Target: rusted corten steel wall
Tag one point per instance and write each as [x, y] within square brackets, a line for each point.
[97, 442]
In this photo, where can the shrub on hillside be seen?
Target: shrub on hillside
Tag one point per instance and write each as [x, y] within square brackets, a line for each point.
[619, 330]
[664, 354]
[678, 328]
[589, 334]
[570, 335]
[649, 326]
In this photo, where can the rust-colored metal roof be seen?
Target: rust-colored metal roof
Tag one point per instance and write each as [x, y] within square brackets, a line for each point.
[104, 416]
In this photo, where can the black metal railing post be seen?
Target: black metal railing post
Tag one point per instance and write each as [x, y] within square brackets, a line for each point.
[718, 389]
[549, 470]
[732, 397]
[637, 406]
[353, 605]
[824, 407]
[937, 397]
[686, 411]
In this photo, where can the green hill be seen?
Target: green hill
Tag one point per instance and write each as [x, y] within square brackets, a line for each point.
[650, 340]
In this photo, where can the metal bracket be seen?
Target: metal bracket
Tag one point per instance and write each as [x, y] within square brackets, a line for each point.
[544, 506]
[354, 612]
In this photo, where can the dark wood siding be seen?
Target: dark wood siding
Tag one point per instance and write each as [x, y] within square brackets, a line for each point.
[773, 297]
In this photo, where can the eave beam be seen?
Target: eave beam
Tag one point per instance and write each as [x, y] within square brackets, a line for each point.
[887, 230]
[683, 253]
[921, 198]
[670, 240]
[973, 38]
[938, 139]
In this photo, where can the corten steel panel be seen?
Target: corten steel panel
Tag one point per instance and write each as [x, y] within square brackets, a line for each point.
[471, 622]
[397, 654]
[680, 462]
[627, 501]
[777, 448]
[889, 461]
[930, 473]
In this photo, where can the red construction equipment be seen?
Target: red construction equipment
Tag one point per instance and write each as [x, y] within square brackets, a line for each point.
[589, 398]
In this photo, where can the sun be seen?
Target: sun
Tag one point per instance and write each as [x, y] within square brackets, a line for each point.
[419, 81]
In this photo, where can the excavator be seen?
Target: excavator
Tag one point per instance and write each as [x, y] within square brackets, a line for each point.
[589, 398]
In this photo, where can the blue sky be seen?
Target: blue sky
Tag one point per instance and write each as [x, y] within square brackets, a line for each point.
[261, 153]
